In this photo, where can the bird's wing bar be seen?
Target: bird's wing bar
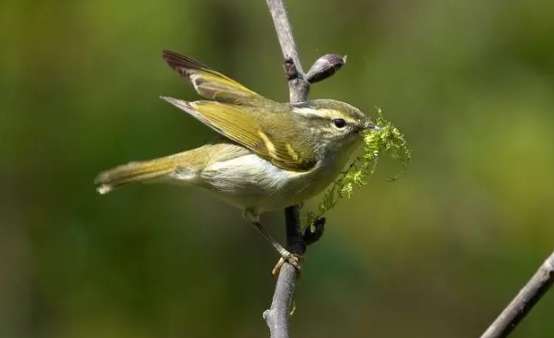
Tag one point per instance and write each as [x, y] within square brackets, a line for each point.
[238, 124]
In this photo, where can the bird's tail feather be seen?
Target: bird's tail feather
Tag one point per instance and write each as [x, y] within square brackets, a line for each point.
[136, 172]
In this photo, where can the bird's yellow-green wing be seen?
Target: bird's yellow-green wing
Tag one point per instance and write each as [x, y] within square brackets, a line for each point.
[282, 146]
[211, 84]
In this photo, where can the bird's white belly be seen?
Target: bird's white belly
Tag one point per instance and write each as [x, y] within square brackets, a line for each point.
[250, 182]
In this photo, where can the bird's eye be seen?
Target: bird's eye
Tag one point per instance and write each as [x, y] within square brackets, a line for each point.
[339, 123]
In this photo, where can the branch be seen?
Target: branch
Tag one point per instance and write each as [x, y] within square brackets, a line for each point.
[277, 317]
[298, 87]
[527, 297]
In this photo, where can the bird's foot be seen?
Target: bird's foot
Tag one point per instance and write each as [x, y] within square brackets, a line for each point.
[291, 258]
[314, 231]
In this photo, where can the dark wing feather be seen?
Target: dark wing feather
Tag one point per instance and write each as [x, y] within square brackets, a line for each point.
[211, 84]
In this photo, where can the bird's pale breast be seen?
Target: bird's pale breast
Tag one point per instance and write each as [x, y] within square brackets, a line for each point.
[250, 182]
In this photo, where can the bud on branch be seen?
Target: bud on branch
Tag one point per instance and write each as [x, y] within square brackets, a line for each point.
[324, 67]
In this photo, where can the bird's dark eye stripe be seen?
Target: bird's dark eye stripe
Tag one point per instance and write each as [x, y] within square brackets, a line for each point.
[339, 123]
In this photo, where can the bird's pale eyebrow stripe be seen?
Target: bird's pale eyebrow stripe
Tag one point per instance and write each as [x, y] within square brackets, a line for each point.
[327, 114]
[267, 143]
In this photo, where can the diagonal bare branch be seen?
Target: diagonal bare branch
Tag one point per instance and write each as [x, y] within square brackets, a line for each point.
[527, 297]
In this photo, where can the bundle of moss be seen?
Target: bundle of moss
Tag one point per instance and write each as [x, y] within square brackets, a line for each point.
[384, 139]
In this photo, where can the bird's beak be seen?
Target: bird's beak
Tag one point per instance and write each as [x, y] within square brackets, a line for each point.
[366, 125]
[370, 125]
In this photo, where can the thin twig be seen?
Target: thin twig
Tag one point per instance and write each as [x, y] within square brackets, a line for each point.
[527, 297]
[298, 86]
[277, 317]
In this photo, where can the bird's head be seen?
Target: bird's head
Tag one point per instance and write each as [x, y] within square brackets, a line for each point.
[334, 123]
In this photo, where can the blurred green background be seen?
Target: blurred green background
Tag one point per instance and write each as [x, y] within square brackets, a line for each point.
[436, 254]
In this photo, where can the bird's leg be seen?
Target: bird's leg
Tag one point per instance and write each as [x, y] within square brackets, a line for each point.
[286, 256]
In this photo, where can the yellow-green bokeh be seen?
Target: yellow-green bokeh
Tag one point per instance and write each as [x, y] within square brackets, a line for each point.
[436, 254]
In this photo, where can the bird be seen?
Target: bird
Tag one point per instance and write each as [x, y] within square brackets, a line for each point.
[268, 156]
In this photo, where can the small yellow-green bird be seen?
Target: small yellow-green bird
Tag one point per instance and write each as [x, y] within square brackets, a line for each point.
[272, 155]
